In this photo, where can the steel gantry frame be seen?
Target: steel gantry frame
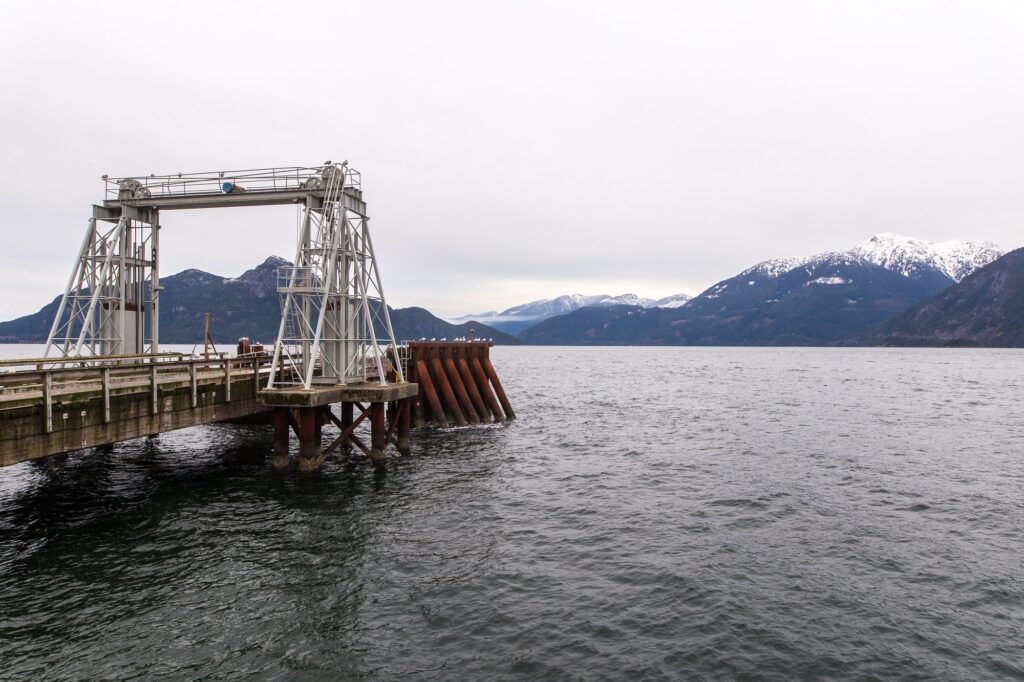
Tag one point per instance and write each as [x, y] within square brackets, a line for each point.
[335, 325]
[113, 283]
[332, 298]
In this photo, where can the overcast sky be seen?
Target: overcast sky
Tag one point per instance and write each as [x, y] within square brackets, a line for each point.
[519, 150]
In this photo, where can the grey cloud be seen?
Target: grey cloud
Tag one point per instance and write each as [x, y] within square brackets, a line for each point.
[510, 151]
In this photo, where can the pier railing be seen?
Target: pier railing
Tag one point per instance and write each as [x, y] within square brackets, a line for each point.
[61, 408]
[13, 365]
[54, 385]
[281, 179]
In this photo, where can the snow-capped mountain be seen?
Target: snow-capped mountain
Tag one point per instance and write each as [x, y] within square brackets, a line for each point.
[673, 301]
[564, 304]
[838, 297]
[515, 319]
[775, 267]
[981, 310]
[907, 256]
[955, 258]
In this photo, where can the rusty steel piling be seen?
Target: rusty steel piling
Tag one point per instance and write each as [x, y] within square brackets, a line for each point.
[485, 388]
[451, 404]
[457, 383]
[404, 443]
[471, 387]
[427, 389]
[377, 433]
[496, 382]
[460, 390]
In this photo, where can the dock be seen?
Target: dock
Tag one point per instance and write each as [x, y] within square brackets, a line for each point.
[103, 379]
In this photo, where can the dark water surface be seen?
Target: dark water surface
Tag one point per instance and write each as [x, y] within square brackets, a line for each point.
[654, 514]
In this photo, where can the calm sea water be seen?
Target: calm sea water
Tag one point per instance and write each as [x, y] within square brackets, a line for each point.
[654, 514]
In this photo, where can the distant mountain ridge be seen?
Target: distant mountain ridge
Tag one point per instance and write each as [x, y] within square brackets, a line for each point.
[935, 264]
[889, 288]
[517, 318]
[986, 308]
[247, 305]
[827, 299]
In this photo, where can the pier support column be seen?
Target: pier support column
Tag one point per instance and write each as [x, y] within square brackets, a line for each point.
[321, 419]
[417, 410]
[346, 421]
[310, 454]
[415, 405]
[405, 408]
[281, 428]
[378, 433]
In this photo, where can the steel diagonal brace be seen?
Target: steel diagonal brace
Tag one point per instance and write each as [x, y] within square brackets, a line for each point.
[104, 273]
[75, 275]
[348, 433]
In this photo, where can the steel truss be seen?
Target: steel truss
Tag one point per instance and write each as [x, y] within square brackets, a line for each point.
[335, 327]
[333, 304]
[112, 285]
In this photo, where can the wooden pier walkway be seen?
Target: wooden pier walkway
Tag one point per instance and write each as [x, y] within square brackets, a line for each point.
[59, 405]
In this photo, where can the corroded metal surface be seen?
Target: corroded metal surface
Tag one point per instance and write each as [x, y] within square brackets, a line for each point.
[458, 383]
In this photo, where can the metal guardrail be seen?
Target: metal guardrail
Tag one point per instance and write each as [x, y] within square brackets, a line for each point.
[293, 279]
[99, 360]
[287, 178]
[26, 384]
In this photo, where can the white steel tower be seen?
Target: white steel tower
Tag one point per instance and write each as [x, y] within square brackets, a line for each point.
[114, 283]
[332, 300]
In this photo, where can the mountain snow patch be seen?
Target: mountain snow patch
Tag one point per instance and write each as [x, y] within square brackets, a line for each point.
[908, 256]
[674, 301]
[775, 267]
[955, 258]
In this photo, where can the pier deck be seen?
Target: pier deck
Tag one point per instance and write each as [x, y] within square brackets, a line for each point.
[57, 409]
[366, 392]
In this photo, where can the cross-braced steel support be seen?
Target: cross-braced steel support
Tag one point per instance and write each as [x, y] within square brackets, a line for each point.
[114, 283]
[335, 326]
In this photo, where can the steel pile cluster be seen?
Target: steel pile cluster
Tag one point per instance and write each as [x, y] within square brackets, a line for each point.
[457, 383]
